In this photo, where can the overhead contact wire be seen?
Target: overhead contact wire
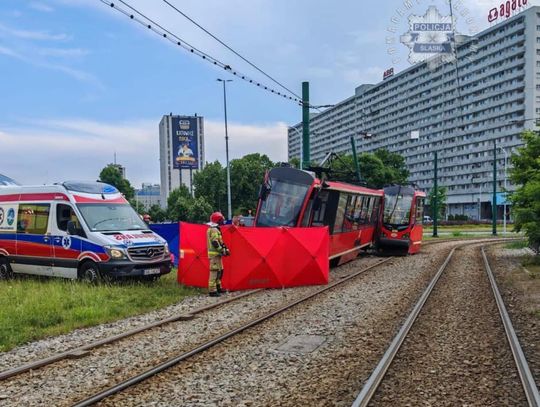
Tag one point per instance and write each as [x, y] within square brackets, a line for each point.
[230, 49]
[175, 39]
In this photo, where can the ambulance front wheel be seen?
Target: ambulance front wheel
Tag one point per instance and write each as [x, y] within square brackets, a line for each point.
[5, 269]
[89, 272]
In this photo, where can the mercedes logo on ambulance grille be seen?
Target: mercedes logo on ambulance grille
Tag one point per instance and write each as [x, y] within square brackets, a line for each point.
[150, 252]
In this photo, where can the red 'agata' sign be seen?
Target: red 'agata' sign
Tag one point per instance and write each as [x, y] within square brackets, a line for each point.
[388, 73]
[505, 9]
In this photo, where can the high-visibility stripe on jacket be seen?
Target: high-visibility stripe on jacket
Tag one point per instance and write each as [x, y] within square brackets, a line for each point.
[214, 235]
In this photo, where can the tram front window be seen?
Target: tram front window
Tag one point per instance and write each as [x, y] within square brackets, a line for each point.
[283, 204]
[397, 209]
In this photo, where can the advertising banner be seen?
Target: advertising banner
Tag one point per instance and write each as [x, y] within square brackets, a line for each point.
[185, 142]
[8, 218]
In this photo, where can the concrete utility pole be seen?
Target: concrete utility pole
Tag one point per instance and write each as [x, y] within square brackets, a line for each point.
[305, 125]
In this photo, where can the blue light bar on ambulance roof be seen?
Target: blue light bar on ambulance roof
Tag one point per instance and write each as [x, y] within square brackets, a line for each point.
[90, 187]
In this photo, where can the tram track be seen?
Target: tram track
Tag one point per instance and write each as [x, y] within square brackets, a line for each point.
[453, 348]
[42, 371]
[83, 350]
[217, 340]
[40, 378]
[157, 382]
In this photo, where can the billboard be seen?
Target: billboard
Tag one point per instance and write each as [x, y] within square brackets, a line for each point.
[185, 142]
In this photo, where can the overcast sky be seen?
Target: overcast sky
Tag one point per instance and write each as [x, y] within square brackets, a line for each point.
[81, 81]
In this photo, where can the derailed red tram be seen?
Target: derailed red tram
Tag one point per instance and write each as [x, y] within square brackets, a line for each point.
[296, 198]
[402, 218]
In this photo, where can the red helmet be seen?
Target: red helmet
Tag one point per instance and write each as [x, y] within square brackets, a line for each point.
[217, 217]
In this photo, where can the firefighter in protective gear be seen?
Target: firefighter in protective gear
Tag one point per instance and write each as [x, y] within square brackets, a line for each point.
[216, 249]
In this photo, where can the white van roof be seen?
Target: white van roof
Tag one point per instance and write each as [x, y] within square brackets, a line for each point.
[80, 191]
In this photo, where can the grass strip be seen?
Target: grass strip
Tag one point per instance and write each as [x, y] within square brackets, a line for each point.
[32, 307]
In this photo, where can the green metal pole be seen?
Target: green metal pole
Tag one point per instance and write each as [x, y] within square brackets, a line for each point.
[355, 158]
[435, 196]
[494, 201]
[305, 125]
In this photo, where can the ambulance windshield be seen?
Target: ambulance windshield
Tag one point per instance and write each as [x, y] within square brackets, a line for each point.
[111, 217]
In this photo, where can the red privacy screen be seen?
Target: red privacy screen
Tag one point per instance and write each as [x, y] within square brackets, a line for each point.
[260, 257]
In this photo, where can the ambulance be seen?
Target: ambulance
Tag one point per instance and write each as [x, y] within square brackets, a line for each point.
[77, 230]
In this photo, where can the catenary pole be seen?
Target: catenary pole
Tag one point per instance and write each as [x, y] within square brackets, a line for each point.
[305, 125]
[355, 158]
[435, 196]
[494, 199]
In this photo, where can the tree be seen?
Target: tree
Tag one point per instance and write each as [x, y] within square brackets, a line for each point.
[112, 175]
[178, 204]
[377, 170]
[199, 210]
[210, 183]
[247, 174]
[139, 208]
[295, 162]
[441, 201]
[394, 163]
[157, 214]
[525, 173]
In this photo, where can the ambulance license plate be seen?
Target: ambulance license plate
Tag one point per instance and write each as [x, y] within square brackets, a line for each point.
[148, 272]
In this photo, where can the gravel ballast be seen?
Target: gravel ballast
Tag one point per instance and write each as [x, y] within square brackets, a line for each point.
[457, 352]
[315, 354]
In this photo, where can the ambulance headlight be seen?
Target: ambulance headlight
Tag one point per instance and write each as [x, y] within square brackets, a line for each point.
[166, 251]
[114, 253]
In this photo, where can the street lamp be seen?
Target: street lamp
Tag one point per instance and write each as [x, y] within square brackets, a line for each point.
[229, 210]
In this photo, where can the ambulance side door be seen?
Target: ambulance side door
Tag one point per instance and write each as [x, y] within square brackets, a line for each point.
[34, 242]
[67, 248]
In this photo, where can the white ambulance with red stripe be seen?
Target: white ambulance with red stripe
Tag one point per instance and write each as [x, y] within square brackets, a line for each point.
[85, 230]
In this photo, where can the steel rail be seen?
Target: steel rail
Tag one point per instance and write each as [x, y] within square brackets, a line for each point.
[377, 375]
[527, 379]
[83, 350]
[173, 361]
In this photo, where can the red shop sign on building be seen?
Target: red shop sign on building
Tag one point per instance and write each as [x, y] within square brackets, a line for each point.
[506, 9]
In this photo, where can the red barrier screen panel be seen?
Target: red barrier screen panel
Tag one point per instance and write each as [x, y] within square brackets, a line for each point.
[260, 257]
[193, 265]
